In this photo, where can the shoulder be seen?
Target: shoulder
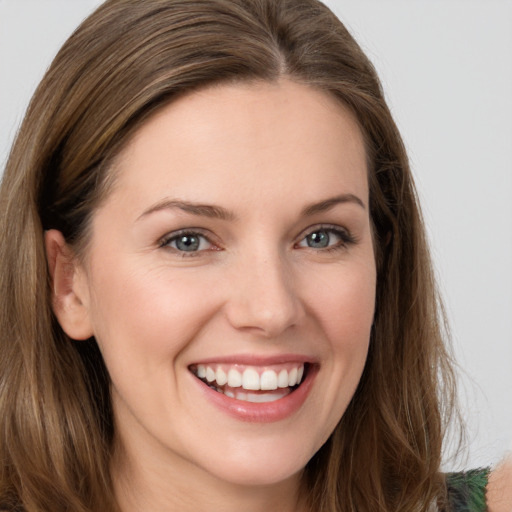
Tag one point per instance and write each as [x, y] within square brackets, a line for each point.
[499, 488]
[481, 490]
[467, 490]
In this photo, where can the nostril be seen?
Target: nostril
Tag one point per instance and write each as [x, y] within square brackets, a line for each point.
[268, 320]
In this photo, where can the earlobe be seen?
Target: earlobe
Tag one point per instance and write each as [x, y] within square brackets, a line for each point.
[70, 299]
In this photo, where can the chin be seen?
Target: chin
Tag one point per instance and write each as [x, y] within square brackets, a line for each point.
[265, 475]
[260, 463]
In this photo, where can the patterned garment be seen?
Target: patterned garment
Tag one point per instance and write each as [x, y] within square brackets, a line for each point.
[466, 490]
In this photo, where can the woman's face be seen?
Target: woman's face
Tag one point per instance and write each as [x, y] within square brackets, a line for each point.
[233, 256]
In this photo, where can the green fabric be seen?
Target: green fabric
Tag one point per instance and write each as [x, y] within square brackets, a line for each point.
[466, 490]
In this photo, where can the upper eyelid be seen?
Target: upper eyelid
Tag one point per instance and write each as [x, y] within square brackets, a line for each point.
[185, 231]
[212, 239]
[346, 235]
[326, 227]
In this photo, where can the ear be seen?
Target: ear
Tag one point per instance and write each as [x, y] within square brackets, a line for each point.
[70, 293]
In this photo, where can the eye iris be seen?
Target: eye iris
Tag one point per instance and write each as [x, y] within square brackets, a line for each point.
[187, 243]
[318, 239]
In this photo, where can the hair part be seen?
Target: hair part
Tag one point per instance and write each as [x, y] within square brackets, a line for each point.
[123, 64]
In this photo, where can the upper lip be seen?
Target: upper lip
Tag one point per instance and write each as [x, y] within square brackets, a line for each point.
[257, 360]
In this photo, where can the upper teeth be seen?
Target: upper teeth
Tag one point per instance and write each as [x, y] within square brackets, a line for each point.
[252, 378]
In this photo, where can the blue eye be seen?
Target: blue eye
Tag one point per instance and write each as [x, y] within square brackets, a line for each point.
[318, 239]
[187, 242]
[326, 238]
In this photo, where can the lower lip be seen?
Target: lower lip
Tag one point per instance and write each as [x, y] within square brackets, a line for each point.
[266, 412]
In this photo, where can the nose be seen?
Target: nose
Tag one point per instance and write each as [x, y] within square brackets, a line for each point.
[263, 298]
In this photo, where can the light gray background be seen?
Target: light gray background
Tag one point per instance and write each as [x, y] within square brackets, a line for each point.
[446, 67]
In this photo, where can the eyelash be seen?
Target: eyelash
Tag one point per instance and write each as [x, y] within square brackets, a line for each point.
[164, 243]
[346, 239]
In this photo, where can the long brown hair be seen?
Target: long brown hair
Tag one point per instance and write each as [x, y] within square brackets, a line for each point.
[123, 63]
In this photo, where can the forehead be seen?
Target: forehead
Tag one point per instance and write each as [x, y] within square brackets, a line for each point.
[254, 138]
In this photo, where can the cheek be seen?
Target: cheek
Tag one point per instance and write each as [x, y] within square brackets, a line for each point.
[151, 315]
[344, 301]
[344, 304]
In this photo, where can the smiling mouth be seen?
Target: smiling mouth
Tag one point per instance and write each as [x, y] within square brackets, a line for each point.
[252, 383]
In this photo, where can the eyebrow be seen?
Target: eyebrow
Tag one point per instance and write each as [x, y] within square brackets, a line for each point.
[218, 212]
[201, 210]
[327, 204]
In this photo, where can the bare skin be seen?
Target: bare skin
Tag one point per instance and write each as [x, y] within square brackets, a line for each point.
[237, 231]
[499, 489]
[268, 292]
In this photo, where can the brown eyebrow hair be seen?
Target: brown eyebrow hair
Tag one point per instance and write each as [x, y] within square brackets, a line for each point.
[203, 210]
[218, 212]
[327, 204]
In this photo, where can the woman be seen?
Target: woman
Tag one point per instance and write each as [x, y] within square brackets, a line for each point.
[175, 336]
